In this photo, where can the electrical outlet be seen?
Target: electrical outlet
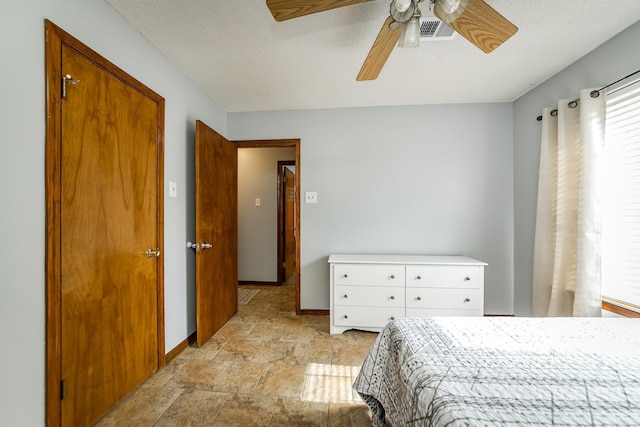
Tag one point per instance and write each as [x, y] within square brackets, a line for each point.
[311, 197]
[173, 189]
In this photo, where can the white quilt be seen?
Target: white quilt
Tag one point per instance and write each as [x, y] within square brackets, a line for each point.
[504, 371]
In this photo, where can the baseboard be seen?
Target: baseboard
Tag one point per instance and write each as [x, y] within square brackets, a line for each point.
[316, 312]
[256, 283]
[499, 315]
[175, 352]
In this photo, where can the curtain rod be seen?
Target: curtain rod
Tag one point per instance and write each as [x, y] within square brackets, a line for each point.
[594, 93]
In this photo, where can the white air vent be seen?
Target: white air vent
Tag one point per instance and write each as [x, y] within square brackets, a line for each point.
[431, 28]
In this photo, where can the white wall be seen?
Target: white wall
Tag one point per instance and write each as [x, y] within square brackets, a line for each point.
[258, 225]
[611, 61]
[428, 180]
[22, 209]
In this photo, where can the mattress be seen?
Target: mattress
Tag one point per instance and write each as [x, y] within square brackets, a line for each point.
[504, 371]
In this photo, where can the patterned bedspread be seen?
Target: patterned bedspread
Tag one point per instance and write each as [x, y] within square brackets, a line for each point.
[504, 371]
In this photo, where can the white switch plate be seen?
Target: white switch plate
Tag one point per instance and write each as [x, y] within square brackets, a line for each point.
[311, 197]
[173, 189]
[258, 202]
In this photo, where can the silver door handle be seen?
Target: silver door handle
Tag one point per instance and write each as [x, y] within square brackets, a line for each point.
[196, 246]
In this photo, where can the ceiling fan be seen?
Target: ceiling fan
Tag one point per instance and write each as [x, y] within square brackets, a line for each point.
[474, 20]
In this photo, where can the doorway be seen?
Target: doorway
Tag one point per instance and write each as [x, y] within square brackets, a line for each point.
[281, 143]
[104, 242]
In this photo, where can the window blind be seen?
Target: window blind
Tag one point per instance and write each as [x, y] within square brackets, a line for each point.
[621, 203]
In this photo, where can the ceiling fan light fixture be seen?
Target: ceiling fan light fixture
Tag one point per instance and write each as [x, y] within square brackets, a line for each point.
[403, 10]
[449, 10]
[410, 36]
[402, 5]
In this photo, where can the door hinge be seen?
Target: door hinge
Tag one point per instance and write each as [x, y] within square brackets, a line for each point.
[63, 389]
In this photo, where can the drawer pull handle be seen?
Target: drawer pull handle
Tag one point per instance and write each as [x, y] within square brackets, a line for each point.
[393, 277]
[467, 299]
[467, 278]
[419, 298]
[346, 296]
[393, 318]
[346, 317]
[392, 297]
[345, 276]
[419, 277]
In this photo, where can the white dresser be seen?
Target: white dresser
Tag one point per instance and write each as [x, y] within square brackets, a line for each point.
[368, 291]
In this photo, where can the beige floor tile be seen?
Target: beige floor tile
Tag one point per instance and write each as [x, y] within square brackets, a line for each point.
[195, 373]
[312, 352]
[266, 332]
[235, 350]
[237, 377]
[349, 414]
[275, 352]
[142, 408]
[294, 412]
[282, 380]
[163, 375]
[298, 333]
[243, 410]
[207, 351]
[348, 354]
[193, 408]
[327, 388]
[235, 330]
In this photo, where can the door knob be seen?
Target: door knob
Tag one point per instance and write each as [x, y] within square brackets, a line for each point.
[205, 245]
[152, 253]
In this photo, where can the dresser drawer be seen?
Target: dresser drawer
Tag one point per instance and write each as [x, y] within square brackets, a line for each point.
[368, 275]
[467, 276]
[445, 298]
[374, 317]
[439, 312]
[378, 296]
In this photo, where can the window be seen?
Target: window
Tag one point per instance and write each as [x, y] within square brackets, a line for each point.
[621, 216]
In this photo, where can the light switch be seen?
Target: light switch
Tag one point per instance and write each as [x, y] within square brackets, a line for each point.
[173, 189]
[311, 197]
[258, 202]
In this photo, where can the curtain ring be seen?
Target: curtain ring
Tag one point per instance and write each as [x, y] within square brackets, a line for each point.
[573, 104]
[554, 113]
[595, 93]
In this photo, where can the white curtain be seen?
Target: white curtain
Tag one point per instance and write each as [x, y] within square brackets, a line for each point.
[567, 253]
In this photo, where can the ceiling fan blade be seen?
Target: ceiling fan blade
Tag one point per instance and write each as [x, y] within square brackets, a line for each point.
[481, 24]
[380, 51]
[289, 9]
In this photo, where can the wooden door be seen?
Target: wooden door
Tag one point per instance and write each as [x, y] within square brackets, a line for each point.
[216, 231]
[110, 218]
[290, 225]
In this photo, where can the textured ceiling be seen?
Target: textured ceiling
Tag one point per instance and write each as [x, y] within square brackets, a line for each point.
[246, 61]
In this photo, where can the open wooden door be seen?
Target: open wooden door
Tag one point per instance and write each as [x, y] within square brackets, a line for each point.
[216, 231]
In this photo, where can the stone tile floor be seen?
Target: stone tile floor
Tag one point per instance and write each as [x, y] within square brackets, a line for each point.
[265, 367]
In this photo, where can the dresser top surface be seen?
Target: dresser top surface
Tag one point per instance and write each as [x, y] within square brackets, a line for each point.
[403, 259]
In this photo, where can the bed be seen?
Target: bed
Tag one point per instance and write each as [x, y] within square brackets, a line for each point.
[504, 371]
